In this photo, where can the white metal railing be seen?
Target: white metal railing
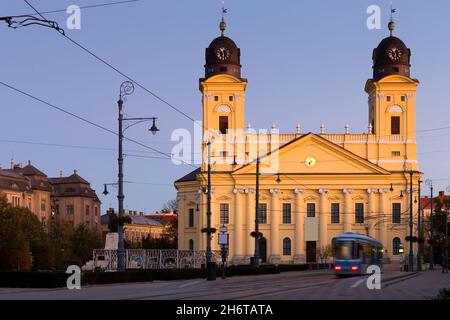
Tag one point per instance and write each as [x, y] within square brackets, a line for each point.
[106, 260]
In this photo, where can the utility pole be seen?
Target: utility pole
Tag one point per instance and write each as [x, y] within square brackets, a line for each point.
[210, 265]
[411, 254]
[419, 232]
[431, 228]
[120, 196]
[256, 257]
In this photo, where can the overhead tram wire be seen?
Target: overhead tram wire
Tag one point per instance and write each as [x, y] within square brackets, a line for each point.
[168, 156]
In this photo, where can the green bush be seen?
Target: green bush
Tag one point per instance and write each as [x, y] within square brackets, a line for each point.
[33, 279]
[444, 294]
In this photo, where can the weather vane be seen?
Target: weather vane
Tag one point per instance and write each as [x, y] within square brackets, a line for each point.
[223, 25]
[392, 23]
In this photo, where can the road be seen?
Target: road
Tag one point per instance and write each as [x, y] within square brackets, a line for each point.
[314, 285]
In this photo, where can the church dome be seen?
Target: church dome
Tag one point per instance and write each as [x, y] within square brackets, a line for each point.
[223, 57]
[391, 57]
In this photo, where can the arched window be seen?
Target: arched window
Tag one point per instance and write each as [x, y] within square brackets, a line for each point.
[191, 244]
[396, 246]
[286, 247]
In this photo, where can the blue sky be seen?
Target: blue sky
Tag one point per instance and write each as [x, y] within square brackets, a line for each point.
[291, 51]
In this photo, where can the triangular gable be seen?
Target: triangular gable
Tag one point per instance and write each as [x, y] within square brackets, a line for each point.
[330, 158]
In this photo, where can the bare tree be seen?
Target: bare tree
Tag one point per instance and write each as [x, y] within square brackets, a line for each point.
[171, 205]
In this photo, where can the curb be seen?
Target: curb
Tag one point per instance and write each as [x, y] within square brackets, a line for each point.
[400, 278]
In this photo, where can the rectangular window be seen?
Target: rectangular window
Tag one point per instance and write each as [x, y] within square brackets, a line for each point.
[335, 213]
[395, 153]
[230, 98]
[263, 213]
[395, 125]
[388, 98]
[15, 201]
[70, 210]
[359, 212]
[191, 217]
[43, 205]
[310, 210]
[396, 212]
[286, 213]
[87, 210]
[223, 124]
[224, 213]
[216, 98]
[403, 98]
[223, 69]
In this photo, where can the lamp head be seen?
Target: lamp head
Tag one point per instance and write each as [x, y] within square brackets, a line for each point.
[154, 129]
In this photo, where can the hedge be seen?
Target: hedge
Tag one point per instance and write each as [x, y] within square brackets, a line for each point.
[58, 279]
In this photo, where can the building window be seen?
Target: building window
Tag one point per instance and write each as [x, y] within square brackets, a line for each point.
[335, 213]
[43, 204]
[70, 210]
[388, 98]
[396, 246]
[15, 200]
[191, 217]
[395, 125]
[262, 213]
[224, 213]
[223, 124]
[223, 69]
[359, 212]
[403, 98]
[216, 98]
[88, 210]
[230, 98]
[310, 210]
[286, 213]
[286, 247]
[96, 211]
[395, 153]
[396, 212]
[191, 244]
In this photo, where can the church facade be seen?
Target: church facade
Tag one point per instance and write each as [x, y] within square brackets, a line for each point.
[312, 186]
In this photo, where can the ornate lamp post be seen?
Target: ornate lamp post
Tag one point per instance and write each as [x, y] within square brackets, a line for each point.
[126, 88]
[408, 167]
[429, 183]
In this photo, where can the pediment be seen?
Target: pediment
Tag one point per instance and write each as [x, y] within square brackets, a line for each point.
[293, 158]
[223, 198]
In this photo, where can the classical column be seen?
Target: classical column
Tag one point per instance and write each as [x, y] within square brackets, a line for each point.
[299, 242]
[238, 228]
[323, 222]
[384, 216]
[372, 217]
[275, 214]
[348, 210]
[200, 214]
[250, 225]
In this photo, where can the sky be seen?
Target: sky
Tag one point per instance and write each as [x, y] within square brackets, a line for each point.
[305, 61]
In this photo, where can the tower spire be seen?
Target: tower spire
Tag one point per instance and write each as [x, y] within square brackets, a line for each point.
[391, 24]
[223, 24]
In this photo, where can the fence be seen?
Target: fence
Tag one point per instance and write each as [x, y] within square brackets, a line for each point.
[106, 260]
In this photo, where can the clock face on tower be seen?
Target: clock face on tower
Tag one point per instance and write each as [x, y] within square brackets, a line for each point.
[310, 162]
[223, 53]
[394, 54]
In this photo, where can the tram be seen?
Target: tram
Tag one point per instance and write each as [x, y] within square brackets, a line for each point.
[354, 253]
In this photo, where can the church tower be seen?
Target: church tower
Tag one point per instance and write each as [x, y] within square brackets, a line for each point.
[222, 88]
[392, 94]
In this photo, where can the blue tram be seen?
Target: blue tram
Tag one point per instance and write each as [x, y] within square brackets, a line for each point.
[354, 252]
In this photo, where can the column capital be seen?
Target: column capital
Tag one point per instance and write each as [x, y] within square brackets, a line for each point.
[249, 191]
[383, 191]
[236, 191]
[347, 191]
[274, 191]
[323, 191]
[299, 191]
[370, 191]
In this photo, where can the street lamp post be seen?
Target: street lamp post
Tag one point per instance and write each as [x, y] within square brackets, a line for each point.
[408, 167]
[126, 88]
[419, 233]
[210, 264]
[256, 257]
[430, 183]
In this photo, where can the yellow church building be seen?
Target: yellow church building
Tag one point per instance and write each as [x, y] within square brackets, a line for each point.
[312, 186]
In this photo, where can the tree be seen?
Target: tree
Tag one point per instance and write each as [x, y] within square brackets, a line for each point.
[19, 229]
[82, 241]
[171, 205]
